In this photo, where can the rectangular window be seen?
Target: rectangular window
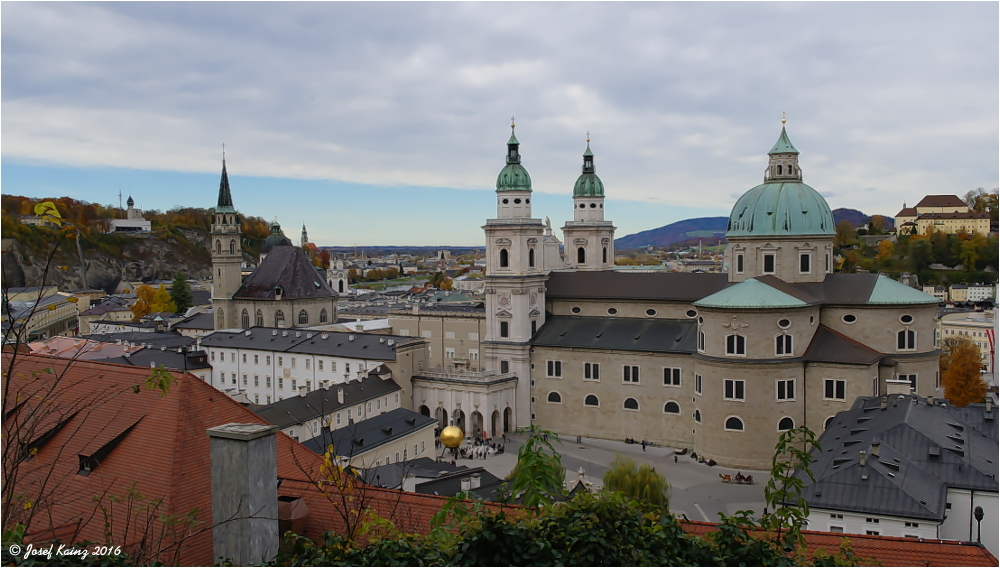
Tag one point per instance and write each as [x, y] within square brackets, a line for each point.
[347, 367]
[244, 357]
[768, 264]
[701, 341]
[256, 359]
[269, 399]
[309, 385]
[697, 384]
[425, 334]
[736, 345]
[474, 336]
[906, 340]
[267, 381]
[912, 378]
[739, 263]
[805, 259]
[783, 345]
[307, 364]
[630, 374]
[213, 355]
[256, 399]
[835, 389]
[834, 529]
[281, 361]
[449, 335]
[244, 379]
[320, 363]
[828, 262]
[836, 516]
[232, 357]
[872, 533]
[404, 332]
[338, 419]
[871, 520]
[256, 380]
[504, 329]
[473, 354]
[786, 389]
[734, 389]
[267, 360]
[911, 524]
[592, 371]
[293, 362]
[449, 352]
[671, 377]
[333, 366]
[294, 385]
[281, 383]
[504, 366]
[553, 369]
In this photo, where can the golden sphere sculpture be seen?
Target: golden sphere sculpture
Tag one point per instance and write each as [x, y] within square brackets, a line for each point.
[452, 436]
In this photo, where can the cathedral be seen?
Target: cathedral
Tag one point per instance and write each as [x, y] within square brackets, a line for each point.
[721, 363]
[285, 290]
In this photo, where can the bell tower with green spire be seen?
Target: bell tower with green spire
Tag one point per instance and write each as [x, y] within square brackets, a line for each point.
[227, 254]
[515, 282]
[590, 240]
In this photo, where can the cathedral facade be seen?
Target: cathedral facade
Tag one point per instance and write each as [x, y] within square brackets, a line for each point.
[721, 363]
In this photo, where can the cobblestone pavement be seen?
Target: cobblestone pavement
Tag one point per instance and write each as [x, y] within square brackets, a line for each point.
[695, 489]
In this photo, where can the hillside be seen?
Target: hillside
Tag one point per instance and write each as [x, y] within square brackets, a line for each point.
[710, 229]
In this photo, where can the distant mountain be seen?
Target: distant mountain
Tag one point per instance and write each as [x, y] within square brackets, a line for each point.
[710, 229]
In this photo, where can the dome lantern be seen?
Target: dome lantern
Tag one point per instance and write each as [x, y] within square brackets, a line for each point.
[588, 184]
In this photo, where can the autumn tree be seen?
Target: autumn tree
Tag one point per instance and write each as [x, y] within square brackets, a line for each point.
[961, 363]
[162, 301]
[846, 235]
[642, 483]
[143, 305]
[180, 293]
[886, 250]
[877, 225]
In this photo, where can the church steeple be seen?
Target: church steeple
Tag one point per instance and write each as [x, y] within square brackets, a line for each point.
[783, 159]
[225, 196]
[305, 236]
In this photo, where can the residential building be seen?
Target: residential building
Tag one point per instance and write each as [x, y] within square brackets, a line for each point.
[393, 436]
[943, 214]
[453, 334]
[939, 292]
[905, 466]
[977, 327]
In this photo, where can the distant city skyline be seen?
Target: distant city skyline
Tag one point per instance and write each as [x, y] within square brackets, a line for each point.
[385, 124]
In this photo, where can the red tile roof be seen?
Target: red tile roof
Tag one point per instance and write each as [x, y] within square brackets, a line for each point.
[907, 212]
[885, 550]
[941, 201]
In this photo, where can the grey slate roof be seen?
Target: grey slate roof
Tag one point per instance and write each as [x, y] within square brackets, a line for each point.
[829, 346]
[370, 434]
[167, 339]
[168, 358]
[197, 321]
[298, 409]
[676, 286]
[922, 451]
[327, 343]
[391, 475]
[450, 485]
[625, 334]
[289, 268]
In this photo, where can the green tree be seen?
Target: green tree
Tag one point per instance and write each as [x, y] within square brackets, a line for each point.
[180, 293]
[642, 483]
[921, 253]
[877, 225]
[538, 476]
[961, 364]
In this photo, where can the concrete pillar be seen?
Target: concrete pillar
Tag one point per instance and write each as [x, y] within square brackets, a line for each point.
[244, 493]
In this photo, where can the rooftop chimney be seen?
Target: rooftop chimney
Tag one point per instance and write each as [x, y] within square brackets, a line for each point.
[244, 493]
[897, 386]
[302, 390]
[875, 447]
[864, 458]
[340, 395]
[466, 484]
[474, 481]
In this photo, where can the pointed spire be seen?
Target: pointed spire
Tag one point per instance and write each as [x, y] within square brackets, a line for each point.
[783, 145]
[225, 196]
[588, 158]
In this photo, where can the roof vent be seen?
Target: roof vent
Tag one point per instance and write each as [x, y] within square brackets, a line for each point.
[934, 451]
[284, 334]
[298, 334]
[274, 332]
[387, 430]
[247, 333]
[350, 338]
[309, 336]
[381, 340]
[391, 342]
[411, 421]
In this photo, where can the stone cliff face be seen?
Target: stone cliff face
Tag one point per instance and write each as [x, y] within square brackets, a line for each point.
[130, 258]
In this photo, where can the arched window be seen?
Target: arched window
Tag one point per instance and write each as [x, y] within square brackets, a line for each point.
[672, 408]
[340, 286]
[736, 345]
[785, 423]
[218, 246]
[734, 423]
[259, 319]
[906, 339]
[279, 318]
[581, 255]
[504, 258]
[605, 256]
[531, 257]
[232, 247]
[631, 404]
[697, 416]
[555, 397]
[591, 400]
[221, 319]
[303, 317]
[322, 316]
[245, 319]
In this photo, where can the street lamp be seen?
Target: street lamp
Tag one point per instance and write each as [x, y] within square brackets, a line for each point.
[979, 523]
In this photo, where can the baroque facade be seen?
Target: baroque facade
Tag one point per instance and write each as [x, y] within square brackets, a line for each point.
[721, 363]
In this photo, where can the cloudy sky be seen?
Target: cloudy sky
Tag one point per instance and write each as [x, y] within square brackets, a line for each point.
[385, 123]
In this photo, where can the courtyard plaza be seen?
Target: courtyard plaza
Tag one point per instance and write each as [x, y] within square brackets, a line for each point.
[696, 490]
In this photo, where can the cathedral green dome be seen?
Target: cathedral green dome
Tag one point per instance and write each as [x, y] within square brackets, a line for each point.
[588, 184]
[513, 176]
[275, 239]
[789, 208]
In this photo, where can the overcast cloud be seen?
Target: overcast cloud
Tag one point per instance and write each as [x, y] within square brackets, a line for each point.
[886, 102]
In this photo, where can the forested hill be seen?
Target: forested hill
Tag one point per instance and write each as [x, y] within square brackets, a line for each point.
[179, 242]
[711, 229]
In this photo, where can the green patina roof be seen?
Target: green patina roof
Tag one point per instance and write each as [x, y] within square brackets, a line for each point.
[513, 139]
[750, 294]
[781, 209]
[588, 184]
[513, 176]
[888, 291]
[783, 145]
